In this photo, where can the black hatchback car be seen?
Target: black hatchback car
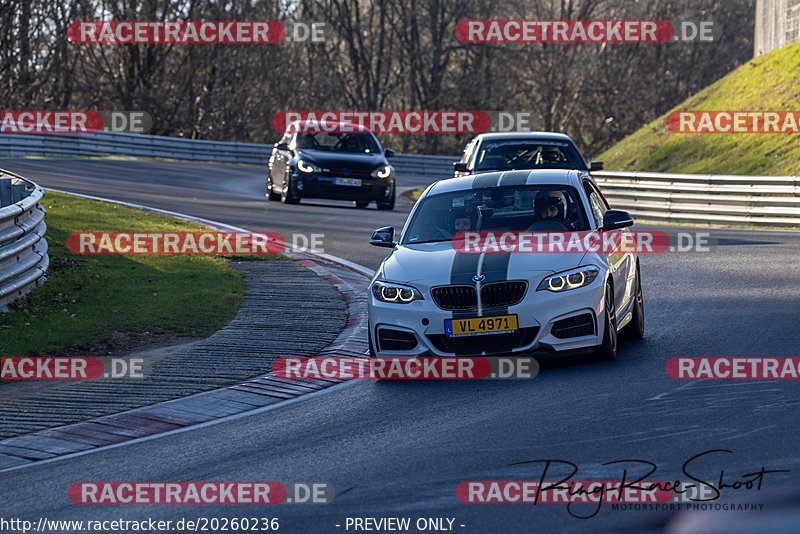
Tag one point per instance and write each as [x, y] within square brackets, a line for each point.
[338, 161]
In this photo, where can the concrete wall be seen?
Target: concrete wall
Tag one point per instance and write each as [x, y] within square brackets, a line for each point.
[777, 24]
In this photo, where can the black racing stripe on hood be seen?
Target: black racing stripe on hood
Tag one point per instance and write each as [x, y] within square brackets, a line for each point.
[485, 180]
[495, 269]
[464, 267]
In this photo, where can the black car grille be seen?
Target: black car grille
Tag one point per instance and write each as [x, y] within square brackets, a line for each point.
[455, 297]
[502, 294]
[346, 172]
[493, 295]
[485, 343]
[581, 325]
[389, 339]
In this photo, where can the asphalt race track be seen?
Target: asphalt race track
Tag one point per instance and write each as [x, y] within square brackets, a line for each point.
[400, 449]
[229, 193]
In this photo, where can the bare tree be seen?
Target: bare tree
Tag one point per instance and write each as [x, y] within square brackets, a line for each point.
[379, 55]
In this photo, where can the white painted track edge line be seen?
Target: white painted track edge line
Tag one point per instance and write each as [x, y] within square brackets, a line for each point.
[198, 426]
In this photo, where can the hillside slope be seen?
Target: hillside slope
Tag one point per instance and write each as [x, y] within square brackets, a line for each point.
[767, 83]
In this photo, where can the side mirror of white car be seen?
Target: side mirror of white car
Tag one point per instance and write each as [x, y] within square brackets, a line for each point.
[383, 237]
[616, 219]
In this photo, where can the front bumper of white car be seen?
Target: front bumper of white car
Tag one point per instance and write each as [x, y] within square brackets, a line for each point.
[557, 322]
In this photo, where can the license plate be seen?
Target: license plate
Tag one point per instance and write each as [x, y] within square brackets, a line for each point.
[347, 181]
[480, 325]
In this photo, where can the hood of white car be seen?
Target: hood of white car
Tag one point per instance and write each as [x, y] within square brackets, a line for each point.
[439, 264]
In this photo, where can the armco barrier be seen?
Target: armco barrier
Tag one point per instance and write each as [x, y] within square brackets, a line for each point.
[690, 198]
[155, 146]
[23, 248]
[704, 198]
[431, 167]
[135, 145]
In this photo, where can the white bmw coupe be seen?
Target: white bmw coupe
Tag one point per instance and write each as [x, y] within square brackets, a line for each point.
[432, 297]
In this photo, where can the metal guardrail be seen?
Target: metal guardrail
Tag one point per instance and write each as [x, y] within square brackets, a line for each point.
[691, 198]
[154, 146]
[432, 167]
[23, 248]
[684, 198]
[704, 198]
[135, 145]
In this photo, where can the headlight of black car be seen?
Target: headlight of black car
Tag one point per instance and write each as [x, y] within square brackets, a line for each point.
[383, 172]
[306, 167]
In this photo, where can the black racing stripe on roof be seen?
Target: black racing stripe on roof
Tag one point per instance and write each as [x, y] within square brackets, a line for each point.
[518, 177]
[486, 180]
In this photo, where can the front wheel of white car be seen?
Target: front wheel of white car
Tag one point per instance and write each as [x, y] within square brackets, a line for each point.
[607, 350]
[635, 329]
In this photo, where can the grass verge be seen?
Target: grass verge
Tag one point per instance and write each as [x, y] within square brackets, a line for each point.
[103, 302]
[766, 83]
[412, 195]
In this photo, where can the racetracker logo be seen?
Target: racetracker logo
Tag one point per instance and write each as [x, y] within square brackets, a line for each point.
[37, 122]
[177, 493]
[722, 368]
[201, 492]
[564, 31]
[72, 368]
[314, 32]
[178, 32]
[405, 368]
[560, 242]
[562, 492]
[175, 243]
[512, 121]
[382, 122]
[734, 122]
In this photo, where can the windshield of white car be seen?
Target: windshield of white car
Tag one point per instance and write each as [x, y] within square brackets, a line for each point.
[363, 143]
[520, 208]
[506, 155]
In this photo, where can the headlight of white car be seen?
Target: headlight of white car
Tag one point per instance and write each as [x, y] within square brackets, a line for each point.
[580, 277]
[383, 172]
[397, 293]
[306, 167]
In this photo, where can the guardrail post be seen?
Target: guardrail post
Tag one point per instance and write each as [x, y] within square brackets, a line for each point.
[5, 192]
[18, 192]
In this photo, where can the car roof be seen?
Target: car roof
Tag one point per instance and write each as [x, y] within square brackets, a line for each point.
[302, 126]
[550, 136]
[500, 178]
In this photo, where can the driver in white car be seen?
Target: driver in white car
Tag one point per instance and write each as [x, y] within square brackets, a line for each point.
[552, 206]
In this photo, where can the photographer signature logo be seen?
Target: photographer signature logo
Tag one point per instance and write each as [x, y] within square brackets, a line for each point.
[635, 482]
